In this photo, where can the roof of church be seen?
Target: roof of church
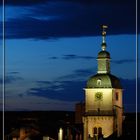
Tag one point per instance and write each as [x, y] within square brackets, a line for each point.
[103, 81]
[103, 54]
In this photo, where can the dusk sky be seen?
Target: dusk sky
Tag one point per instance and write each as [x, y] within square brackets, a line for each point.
[52, 46]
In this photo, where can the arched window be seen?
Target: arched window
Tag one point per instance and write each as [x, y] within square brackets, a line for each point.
[99, 82]
[99, 130]
[117, 96]
[95, 130]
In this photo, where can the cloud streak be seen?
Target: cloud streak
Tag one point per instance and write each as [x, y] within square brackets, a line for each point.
[124, 61]
[76, 57]
[73, 91]
[34, 2]
[65, 88]
[79, 74]
[63, 91]
[72, 57]
[24, 3]
[71, 19]
[10, 79]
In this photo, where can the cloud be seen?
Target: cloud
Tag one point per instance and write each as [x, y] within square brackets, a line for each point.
[72, 90]
[68, 89]
[24, 2]
[124, 61]
[21, 95]
[84, 72]
[13, 72]
[79, 74]
[73, 56]
[44, 82]
[53, 57]
[65, 88]
[10, 78]
[70, 19]
[34, 2]
[65, 91]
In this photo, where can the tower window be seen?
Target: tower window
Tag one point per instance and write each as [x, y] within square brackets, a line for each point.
[95, 130]
[117, 96]
[99, 82]
[98, 110]
[99, 130]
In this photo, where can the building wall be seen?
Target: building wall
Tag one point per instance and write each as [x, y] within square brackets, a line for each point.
[103, 65]
[79, 111]
[105, 122]
[109, 102]
[93, 104]
[118, 106]
[119, 101]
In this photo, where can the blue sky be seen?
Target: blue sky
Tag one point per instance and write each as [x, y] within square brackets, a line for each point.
[51, 50]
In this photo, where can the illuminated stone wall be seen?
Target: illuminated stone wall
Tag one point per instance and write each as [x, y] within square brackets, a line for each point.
[93, 104]
[105, 122]
[118, 106]
[110, 115]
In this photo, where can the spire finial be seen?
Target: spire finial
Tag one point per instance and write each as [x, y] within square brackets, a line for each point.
[104, 27]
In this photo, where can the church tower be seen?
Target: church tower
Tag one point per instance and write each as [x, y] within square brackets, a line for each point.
[103, 100]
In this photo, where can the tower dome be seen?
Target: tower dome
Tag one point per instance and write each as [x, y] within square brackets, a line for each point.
[103, 54]
[103, 81]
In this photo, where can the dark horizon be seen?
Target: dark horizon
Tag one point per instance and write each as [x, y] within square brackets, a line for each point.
[48, 123]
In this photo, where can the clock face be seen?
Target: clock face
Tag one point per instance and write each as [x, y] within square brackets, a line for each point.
[98, 96]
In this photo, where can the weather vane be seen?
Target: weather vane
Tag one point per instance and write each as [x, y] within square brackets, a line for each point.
[104, 27]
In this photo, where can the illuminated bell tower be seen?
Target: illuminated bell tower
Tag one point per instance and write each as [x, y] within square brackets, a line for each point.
[103, 100]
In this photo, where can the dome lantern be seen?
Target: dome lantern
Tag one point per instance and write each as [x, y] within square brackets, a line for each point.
[103, 56]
